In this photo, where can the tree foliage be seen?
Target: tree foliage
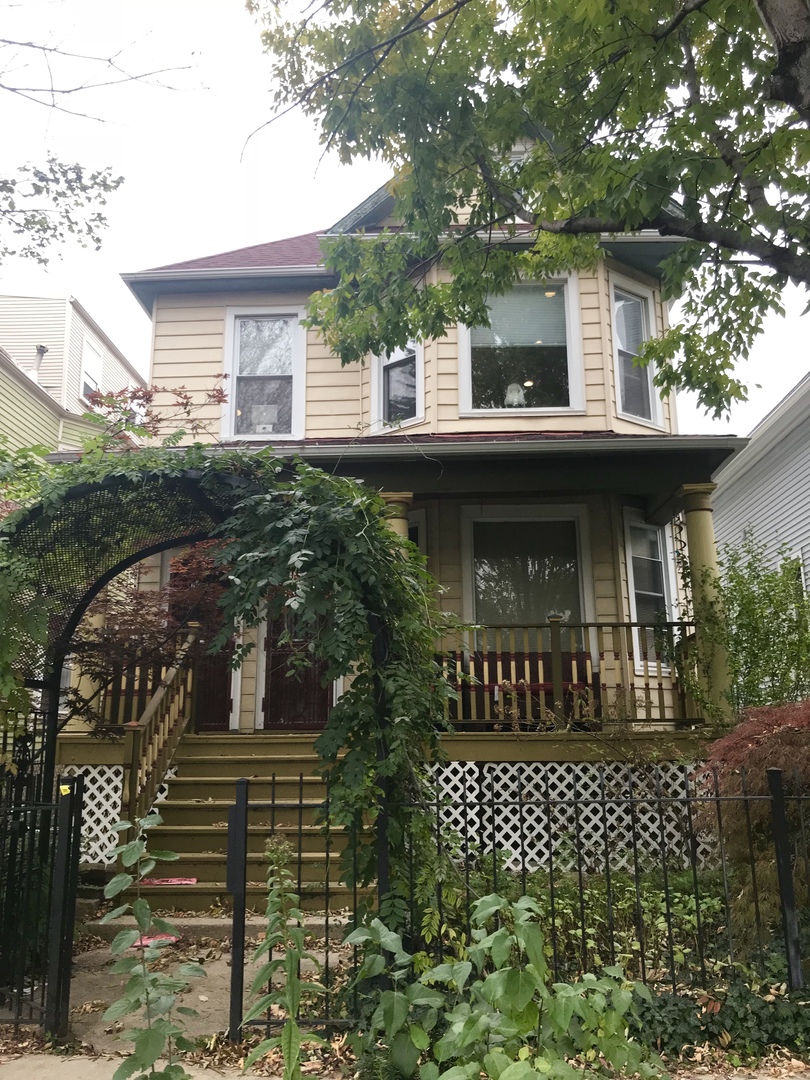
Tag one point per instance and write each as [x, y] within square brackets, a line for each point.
[555, 123]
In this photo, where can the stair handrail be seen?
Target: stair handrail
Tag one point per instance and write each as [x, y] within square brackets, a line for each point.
[152, 739]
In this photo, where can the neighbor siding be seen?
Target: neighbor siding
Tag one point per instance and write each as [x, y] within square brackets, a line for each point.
[772, 498]
[24, 420]
[28, 321]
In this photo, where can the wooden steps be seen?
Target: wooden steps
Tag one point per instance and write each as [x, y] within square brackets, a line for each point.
[282, 770]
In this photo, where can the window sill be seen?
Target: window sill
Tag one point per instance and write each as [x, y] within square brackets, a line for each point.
[472, 414]
[383, 427]
[656, 425]
[267, 437]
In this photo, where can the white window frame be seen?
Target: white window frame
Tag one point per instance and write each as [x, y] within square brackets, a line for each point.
[576, 512]
[795, 555]
[378, 422]
[299, 375]
[635, 517]
[576, 373]
[90, 346]
[639, 292]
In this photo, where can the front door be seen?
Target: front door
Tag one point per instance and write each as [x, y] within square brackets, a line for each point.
[293, 700]
[213, 691]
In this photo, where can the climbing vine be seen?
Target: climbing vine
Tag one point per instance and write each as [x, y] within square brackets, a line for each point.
[311, 553]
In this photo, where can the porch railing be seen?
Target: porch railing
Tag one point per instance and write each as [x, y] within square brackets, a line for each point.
[580, 677]
[151, 741]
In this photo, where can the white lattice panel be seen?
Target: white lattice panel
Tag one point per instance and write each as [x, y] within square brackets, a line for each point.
[103, 788]
[458, 795]
[569, 815]
[163, 790]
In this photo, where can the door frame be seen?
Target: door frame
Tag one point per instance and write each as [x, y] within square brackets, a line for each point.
[261, 676]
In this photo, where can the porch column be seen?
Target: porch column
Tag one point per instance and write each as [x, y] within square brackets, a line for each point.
[397, 504]
[696, 500]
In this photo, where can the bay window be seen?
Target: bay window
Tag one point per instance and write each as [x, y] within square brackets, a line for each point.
[632, 320]
[529, 357]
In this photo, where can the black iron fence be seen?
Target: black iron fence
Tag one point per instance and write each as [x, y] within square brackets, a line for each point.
[39, 867]
[650, 868]
[22, 751]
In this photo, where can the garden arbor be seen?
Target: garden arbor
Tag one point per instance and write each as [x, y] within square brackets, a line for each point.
[293, 540]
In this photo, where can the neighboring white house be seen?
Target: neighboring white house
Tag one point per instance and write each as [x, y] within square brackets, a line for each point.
[58, 344]
[766, 488]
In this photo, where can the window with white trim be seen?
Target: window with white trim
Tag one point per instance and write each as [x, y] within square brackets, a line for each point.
[265, 359]
[529, 359]
[92, 362]
[632, 321]
[648, 572]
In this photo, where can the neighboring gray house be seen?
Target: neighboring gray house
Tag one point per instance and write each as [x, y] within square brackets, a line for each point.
[63, 349]
[766, 487]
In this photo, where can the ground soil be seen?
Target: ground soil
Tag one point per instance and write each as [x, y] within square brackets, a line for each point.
[97, 1049]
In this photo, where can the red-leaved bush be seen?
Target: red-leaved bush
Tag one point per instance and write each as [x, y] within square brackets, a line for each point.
[770, 737]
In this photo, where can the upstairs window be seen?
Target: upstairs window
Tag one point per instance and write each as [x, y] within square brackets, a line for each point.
[265, 350]
[631, 328]
[529, 357]
[399, 386]
[92, 361]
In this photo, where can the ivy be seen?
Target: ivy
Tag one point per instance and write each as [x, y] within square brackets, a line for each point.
[312, 553]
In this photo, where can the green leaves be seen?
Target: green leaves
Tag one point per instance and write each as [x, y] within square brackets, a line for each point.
[117, 885]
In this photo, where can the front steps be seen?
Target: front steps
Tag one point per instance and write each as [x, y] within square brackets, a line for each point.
[282, 772]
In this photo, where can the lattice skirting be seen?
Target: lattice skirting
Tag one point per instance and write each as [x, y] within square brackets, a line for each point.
[103, 788]
[568, 816]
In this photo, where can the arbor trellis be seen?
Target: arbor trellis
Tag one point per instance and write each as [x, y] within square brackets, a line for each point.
[298, 543]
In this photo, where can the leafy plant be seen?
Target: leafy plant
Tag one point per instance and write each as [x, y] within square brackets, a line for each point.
[497, 1011]
[284, 934]
[149, 992]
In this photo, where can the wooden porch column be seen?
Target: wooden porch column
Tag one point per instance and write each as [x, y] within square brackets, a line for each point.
[397, 506]
[696, 500]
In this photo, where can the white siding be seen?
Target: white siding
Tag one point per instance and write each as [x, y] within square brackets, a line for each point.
[28, 321]
[772, 498]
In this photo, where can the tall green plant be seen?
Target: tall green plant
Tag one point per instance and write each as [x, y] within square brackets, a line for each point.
[284, 936]
[149, 998]
[762, 621]
[496, 1012]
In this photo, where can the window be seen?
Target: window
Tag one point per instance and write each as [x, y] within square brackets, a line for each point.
[524, 563]
[631, 328]
[397, 390]
[92, 361]
[650, 570]
[521, 575]
[399, 386]
[265, 350]
[529, 358]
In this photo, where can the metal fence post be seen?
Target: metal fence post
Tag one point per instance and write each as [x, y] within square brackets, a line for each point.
[784, 870]
[64, 886]
[237, 886]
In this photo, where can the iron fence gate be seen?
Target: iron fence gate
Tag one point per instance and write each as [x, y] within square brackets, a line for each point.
[39, 869]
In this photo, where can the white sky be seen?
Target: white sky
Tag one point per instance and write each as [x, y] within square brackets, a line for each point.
[193, 187]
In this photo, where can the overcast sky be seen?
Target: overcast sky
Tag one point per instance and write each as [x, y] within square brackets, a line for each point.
[193, 187]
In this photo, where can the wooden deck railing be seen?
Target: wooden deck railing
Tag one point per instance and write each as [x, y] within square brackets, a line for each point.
[151, 741]
[580, 677]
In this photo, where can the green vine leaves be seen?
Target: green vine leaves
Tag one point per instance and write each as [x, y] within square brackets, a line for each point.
[313, 554]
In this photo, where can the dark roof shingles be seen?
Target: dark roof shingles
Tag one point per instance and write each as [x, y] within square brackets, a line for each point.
[304, 250]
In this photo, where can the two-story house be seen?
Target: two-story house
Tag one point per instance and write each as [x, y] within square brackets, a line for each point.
[532, 462]
[64, 353]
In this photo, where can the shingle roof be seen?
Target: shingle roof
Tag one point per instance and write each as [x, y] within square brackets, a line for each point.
[304, 250]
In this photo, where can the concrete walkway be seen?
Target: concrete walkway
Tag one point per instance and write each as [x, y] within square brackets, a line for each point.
[54, 1067]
